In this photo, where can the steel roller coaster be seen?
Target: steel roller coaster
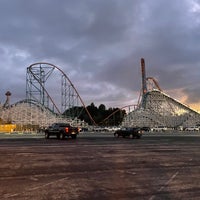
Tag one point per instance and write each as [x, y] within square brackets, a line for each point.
[38, 75]
[46, 83]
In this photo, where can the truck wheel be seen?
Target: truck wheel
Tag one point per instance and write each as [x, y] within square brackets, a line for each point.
[116, 135]
[46, 135]
[138, 137]
[132, 136]
[73, 136]
[58, 136]
[62, 136]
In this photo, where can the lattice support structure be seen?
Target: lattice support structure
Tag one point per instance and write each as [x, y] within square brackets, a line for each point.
[69, 97]
[36, 79]
[44, 80]
[158, 109]
[49, 92]
[32, 113]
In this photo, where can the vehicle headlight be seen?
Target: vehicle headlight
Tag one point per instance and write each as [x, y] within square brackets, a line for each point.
[140, 131]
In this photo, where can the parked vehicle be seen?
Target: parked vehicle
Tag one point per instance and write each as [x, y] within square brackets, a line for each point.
[132, 132]
[146, 128]
[192, 128]
[179, 128]
[159, 128]
[61, 130]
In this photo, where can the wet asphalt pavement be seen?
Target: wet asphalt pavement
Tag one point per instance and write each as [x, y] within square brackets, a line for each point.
[101, 167]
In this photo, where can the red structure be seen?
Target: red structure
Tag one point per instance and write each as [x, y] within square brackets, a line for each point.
[144, 85]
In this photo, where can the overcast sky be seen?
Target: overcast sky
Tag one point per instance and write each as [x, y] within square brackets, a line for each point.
[99, 44]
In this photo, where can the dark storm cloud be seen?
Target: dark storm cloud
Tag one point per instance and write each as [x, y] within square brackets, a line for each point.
[99, 43]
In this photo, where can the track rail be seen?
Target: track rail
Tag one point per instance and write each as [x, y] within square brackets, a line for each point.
[42, 89]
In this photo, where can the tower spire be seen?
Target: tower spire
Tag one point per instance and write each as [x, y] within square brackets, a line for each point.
[144, 84]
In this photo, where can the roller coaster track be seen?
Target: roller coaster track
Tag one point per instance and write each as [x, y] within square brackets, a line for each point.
[157, 108]
[154, 107]
[39, 107]
[37, 76]
[29, 111]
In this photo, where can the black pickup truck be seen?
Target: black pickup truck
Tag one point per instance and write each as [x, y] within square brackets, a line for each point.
[132, 132]
[61, 130]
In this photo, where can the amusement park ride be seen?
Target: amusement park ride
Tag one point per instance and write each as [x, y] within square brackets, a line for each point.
[155, 108]
[159, 109]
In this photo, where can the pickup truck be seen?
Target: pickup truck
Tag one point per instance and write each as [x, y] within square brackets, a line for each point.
[61, 130]
[131, 132]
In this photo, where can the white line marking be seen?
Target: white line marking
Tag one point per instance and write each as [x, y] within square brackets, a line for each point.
[167, 183]
[34, 188]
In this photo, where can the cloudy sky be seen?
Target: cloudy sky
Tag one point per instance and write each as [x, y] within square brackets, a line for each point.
[99, 44]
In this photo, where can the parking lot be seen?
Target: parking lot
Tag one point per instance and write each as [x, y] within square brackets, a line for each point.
[99, 166]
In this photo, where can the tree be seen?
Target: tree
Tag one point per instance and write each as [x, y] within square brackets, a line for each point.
[102, 107]
[113, 116]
